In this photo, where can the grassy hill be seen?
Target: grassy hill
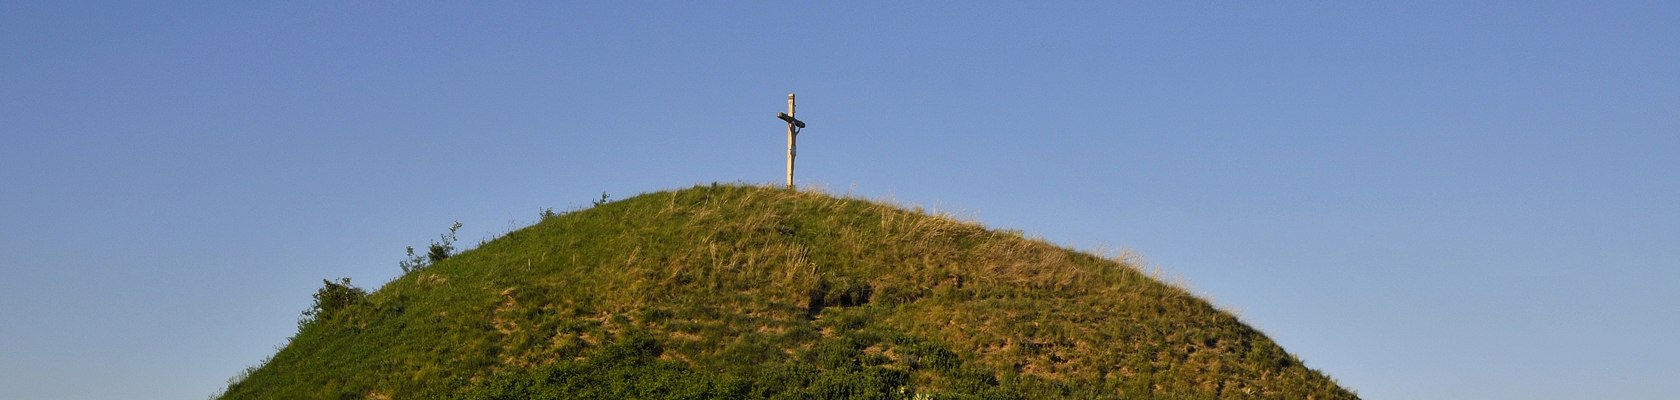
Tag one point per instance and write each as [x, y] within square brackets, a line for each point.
[730, 291]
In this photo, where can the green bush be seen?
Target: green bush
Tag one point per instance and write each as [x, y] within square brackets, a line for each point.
[331, 300]
[437, 251]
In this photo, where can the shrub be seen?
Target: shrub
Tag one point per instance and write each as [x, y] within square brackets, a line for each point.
[438, 251]
[330, 300]
[445, 247]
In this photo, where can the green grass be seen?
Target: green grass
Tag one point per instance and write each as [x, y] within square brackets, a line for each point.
[731, 291]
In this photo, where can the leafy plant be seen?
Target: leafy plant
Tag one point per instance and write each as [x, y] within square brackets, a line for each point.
[445, 246]
[330, 300]
[437, 251]
[414, 262]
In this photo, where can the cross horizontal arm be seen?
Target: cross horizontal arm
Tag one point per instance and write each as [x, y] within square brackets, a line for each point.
[790, 119]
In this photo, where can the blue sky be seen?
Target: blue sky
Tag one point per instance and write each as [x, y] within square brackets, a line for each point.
[1424, 200]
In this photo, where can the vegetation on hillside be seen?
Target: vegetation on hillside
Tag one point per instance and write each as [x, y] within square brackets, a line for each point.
[731, 291]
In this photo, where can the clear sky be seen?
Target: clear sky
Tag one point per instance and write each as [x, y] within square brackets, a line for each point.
[1428, 200]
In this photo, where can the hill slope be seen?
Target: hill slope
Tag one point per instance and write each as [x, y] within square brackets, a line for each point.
[750, 292]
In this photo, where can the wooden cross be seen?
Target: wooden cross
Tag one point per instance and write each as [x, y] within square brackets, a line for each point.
[793, 125]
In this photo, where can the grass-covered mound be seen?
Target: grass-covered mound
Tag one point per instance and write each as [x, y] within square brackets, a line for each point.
[751, 292]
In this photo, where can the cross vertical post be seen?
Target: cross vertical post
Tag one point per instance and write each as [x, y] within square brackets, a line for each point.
[793, 126]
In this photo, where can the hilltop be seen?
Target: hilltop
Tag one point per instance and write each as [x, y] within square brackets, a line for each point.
[732, 291]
